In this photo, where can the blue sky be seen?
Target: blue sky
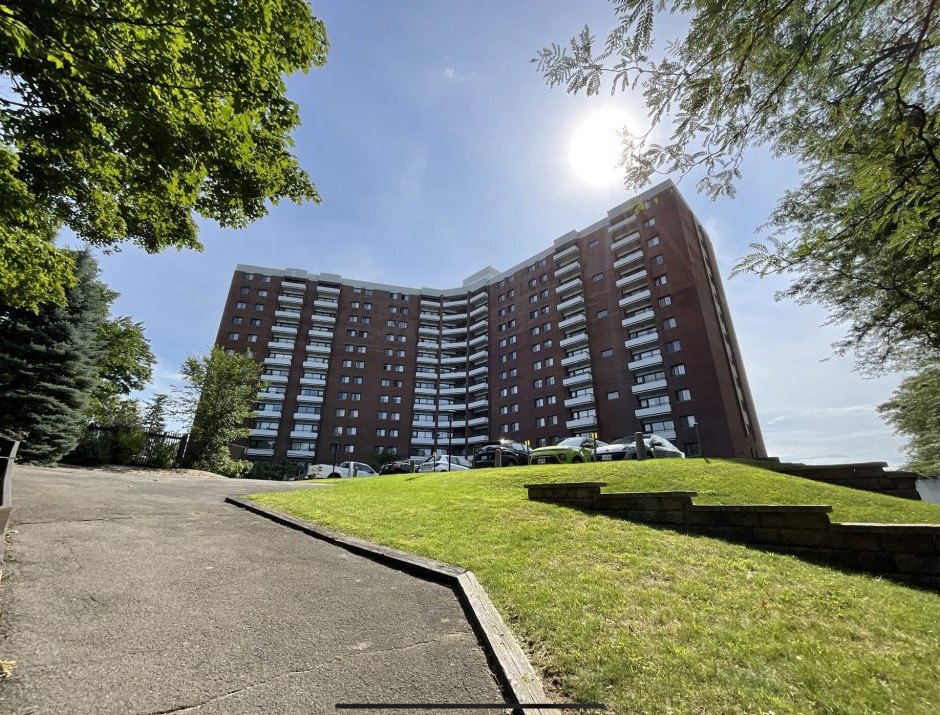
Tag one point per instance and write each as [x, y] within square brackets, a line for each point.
[439, 150]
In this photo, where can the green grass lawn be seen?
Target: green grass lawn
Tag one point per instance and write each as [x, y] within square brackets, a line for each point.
[653, 621]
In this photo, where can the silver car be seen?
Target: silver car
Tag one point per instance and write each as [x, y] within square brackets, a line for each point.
[625, 448]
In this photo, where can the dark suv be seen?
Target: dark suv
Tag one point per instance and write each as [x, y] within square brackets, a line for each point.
[512, 454]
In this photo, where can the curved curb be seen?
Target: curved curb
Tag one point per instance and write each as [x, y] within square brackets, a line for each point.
[511, 665]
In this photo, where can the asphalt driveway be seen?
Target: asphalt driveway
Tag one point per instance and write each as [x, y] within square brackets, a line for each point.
[139, 594]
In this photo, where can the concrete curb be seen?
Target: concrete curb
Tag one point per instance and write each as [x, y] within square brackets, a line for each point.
[509, 662]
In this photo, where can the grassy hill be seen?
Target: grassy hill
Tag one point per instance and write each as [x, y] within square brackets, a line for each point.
[654, 621]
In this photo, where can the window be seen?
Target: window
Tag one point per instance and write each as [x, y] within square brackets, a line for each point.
[669, 323]
[265, 279]
[650, 222]
[613, 395]
[259, 306]
[237, 320]
[234, 336]
[653, 241]
[245, 290]
[252, 338]
[656, 261]
[367, 306]
[607, 352]
[687, 421]
[249, 276]
[678, 369]
[342, 395]
[550, 380]
[665, 300]
[255, 322]
[592, 244]
[262, 293]
[683, 395]
[349, 449]
[673, 346]
[598, 277]
[513, 372]
[551, 400]
[537, 365]
[660, 280]
[537, 383]
[603, 313]
[240, 305]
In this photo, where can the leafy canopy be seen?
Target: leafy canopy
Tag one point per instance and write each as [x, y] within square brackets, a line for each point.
[848, 88]
[121, 119]
[914, 410]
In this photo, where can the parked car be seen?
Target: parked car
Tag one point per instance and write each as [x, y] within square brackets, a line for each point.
[511, 454]
[569, 451]
[341, 470]
[402, 466]
[625, 448]
[444, 463]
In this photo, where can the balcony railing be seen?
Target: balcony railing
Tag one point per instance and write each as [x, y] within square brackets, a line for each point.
[571, 321]
[647, 314]
[573, 340]
[641, 340]
[649, 386]
[569, 287]
[581, 423]
[636, 297]
[654, 410]
[645, 362]
[572, 250]
[584, 378]
[632, 278]
[628, 259]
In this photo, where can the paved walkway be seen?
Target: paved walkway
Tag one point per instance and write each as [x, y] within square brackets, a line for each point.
[135, 594]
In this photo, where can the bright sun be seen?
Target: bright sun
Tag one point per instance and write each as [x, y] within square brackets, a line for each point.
[595, 148]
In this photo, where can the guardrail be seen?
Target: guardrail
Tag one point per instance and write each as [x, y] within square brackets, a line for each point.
[8, 449]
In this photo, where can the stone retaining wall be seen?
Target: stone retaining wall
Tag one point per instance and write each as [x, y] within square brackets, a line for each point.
[904, 552]
[868, 476]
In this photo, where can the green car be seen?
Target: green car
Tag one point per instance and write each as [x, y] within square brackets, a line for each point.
[569, 451]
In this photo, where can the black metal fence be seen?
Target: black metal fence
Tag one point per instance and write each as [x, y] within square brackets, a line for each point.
[103, 444]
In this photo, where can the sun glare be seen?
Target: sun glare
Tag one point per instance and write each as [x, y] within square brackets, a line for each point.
[595, 148]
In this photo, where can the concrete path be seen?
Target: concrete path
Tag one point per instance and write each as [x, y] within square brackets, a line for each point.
[135, 594]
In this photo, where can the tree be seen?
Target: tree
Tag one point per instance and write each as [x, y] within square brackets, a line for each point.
[120, 119]
[155, 413]
[218, 395]
[125, 364]
[48, 366]
[914, 410]
[849, 88]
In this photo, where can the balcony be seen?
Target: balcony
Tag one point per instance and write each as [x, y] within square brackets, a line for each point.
[454, 407]
[478, 404]
[429, 330]
[422, 440]
[458, 302]
[301, 453]
[625, 243]
[478, 421]
[579, 359]
[453, 391]
[455, 317]
[282, 345]
[292, 313]
[317, 364]
[479, 370]
[263, 433]
[635, 297]
[631, 278]
[312, 382]
[642, 317]
[433, 316]
[479, 386]
[326, 303]
[573, 340]
[307, 416]
[568, 269]
[570, 322]
[479, 355]
[262, 395]
[427, 359]
[579, 401]
[459, 330]
[284, 329]
[629, 259]
[645, 362]
[575, 302]
[274, 379]
[428, 345]
[569, 287]
[458, 424]
[288, 299]
[454, 345]
[299, 434]
[642, 340]
[311, 399]
[581, 423]
[319, 349]
[569, 252]
[480, 324]
[478, 340]
[478, 439]
[293, 286]
[327, 290]
[323, 319]
[479, 311]
[269, 414]
[585, 378]
[431, 303]
[477, 297]
[654, 410]
[648, 386]
[426, 391]
[278, 361]
[454, 360]
[258, 452]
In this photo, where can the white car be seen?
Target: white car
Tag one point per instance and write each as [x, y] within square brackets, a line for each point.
[625, 448]
[341, 470]
[444, 463]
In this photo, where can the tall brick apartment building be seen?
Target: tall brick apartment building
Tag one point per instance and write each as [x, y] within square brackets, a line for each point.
[618, 328]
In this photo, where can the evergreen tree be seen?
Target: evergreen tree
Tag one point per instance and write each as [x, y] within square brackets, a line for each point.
[49, 365]
[914, 410]
[155, 413]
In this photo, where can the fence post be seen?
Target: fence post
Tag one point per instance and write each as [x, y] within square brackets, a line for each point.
[181, 450]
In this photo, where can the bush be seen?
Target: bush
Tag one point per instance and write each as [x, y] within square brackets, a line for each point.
[161, 454]
[279, 471]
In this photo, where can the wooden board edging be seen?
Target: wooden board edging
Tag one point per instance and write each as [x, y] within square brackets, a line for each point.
[513, 667]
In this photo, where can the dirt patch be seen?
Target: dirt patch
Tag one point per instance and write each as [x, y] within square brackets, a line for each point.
[146, 471]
